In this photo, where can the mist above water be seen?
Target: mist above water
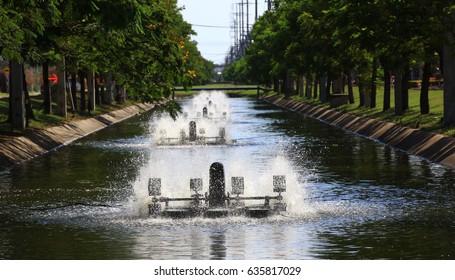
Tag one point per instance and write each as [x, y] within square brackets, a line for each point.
[175, 164]
[210, 111]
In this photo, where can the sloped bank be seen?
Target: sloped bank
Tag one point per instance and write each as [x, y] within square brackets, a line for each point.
[18, 149]
[434, 147]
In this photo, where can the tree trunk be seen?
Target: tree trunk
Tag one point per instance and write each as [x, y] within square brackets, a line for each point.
[121, 96]
[328, 87]
[374, 76]
[424, 101]
[102, 91]
[74, 88]
[315, 88]
[300, 86]
[405, 90]
[350, 89]
[10, 100]
[70, 95]
[3, 83]
[17, 98]
[361, 94]
[61, 90]
[449, 81]
[28, 103]
[387, 87]
[337, 85]
[97, 91]
[287, 85]
[83, 96]
[398, 94]
[91, 90]
[108, 95]
[46, 89]
[276, 85]
[308, 85]
[440, 52]
[323, 97]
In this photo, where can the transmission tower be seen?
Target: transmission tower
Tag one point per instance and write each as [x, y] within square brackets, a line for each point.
[241, 29]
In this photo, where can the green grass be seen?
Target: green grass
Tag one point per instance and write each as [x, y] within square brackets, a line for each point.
[43, 121]
[412, 118]
[431, 122]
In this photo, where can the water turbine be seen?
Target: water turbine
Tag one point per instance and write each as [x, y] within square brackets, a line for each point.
[216, 202]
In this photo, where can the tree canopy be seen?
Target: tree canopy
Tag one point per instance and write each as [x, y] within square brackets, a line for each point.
[146, 44]
[372, 39]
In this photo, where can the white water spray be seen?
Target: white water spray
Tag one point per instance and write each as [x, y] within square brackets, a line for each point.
[176, 165]
[210, 112]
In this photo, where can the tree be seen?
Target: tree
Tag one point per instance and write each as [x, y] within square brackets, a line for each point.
[144, 44]
[199, 70]
[258, 55]
[448, 20]
[22, 23]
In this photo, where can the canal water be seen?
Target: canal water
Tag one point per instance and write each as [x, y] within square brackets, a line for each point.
[348, 197]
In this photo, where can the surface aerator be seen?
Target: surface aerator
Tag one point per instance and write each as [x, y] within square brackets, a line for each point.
[216, 202]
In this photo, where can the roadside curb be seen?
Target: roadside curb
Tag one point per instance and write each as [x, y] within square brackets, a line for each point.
[22, 148]
[434, 147]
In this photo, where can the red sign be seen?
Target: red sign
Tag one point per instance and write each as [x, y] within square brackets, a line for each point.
[53, 78]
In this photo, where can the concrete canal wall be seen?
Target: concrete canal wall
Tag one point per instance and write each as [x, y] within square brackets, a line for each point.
[434, 147]
[16, 149]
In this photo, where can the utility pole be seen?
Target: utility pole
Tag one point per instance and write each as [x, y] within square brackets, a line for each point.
[235, 25]
[239, 27]
[247, 19]
[242, 21]
[269, 5]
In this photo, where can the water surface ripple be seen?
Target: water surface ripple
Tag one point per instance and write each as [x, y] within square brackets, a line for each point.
[348, 197]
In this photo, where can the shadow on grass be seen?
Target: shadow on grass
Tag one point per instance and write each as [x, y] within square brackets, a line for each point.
[42, 120]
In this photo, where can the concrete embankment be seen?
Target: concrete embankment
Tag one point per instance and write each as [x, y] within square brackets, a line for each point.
[17, 149]
[434, 147]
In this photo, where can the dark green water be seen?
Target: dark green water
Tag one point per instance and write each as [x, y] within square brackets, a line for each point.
[348, 197]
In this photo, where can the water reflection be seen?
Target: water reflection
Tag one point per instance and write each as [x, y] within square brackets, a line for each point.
[399, 239]
[349, 197]
[217, 245]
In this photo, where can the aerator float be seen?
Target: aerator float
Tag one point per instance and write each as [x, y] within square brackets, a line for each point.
[194, 137]
[216, 202]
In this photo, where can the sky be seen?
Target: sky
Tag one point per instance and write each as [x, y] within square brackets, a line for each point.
[213, 21]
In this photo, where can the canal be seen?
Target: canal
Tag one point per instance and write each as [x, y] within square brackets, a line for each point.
[348, 197]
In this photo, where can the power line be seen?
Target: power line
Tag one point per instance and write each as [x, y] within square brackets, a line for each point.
[213, 54]
[213, 43]
[210, 26]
